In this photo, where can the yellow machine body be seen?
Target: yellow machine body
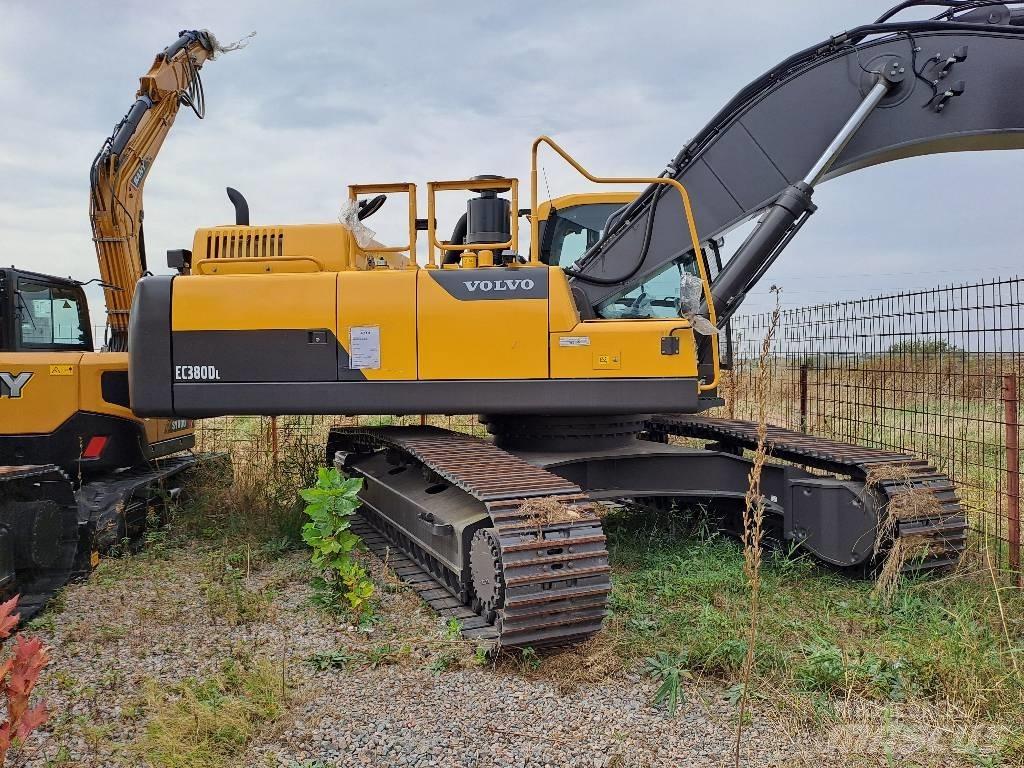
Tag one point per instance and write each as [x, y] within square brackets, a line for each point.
[62, 400]
[421, 324]
[301, 319]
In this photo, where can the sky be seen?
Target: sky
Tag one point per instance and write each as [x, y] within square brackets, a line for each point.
[333, 93]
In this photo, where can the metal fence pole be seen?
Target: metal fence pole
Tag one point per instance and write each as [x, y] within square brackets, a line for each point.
[803, 397]
[273, 441]
[1012, 470]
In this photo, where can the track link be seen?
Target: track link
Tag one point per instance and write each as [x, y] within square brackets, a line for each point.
[940, 535]
[555, 569]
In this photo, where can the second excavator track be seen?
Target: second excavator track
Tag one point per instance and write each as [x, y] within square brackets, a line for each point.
[551, 559]
[938, 533]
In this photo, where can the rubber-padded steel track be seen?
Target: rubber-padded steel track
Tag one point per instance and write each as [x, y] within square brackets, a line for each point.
[556, 571]
[33, 484]
[942, 533]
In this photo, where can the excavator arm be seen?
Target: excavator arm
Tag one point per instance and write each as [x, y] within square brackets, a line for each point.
[119, 171]
[877, 93]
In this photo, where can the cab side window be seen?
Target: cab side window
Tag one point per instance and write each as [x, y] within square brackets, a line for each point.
[50, 316]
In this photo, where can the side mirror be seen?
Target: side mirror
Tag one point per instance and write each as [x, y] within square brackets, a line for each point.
[180, 260]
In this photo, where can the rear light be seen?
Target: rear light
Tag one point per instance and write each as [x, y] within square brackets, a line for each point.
[95, 447]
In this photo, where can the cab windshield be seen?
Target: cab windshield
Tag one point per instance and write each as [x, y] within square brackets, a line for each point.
[571, 232]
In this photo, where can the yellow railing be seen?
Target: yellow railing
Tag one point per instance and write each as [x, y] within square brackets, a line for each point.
[355, 190]
[692, 228]
[472, 185]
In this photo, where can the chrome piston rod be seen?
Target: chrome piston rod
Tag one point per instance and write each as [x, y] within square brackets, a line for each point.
[790, 209]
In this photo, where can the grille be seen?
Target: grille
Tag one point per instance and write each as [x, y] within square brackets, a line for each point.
[245, 244]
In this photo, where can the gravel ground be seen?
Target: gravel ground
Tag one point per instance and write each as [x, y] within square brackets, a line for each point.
[147, 622]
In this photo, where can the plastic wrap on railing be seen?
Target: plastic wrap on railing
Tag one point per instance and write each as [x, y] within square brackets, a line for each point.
[691, 295]
[349, 218]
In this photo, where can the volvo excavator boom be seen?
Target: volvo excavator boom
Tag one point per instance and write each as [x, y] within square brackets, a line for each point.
[877, 93]
[119, 171]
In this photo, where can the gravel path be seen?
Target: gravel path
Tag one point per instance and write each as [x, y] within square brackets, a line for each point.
[145, 623]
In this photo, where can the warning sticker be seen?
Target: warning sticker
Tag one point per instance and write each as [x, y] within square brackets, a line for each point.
[574, 341]
[62, 370]
[364, 347]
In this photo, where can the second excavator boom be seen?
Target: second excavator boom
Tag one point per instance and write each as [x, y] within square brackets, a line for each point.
[119, 172]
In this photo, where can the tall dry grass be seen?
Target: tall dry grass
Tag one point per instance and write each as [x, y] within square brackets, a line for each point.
[753, 519]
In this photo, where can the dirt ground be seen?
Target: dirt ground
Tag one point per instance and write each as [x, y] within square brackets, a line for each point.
[132, 647]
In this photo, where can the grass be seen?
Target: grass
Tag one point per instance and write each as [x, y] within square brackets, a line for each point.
[824, 637]
[209, 722]
[681, 608]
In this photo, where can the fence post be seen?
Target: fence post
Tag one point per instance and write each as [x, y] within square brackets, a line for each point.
[1012, 470]
[273, 441]
[803, 397]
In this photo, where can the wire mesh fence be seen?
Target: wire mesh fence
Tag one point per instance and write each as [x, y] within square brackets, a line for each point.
[936, 373]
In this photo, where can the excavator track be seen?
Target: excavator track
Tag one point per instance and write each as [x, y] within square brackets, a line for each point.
[552, 571]
[39, 534]
[51, 533]
[939, 534]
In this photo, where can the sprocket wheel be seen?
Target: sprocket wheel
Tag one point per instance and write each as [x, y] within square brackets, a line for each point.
[487, 574]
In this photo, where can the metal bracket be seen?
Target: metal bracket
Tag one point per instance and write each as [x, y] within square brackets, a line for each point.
[949, 94]
[436, 528]
[959, 55]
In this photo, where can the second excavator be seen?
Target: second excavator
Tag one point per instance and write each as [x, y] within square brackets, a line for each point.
[79, 473]
[584, 357]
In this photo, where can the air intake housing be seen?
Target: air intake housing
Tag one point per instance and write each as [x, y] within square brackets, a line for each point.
[488, 216]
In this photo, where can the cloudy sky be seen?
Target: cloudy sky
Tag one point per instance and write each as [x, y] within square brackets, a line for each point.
[331, 93]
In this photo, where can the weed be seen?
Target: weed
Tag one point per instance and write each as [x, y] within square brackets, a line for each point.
[670, 671]
[824, 669]
[753, 515]
[43, 622]
[228, 599]
[108, 633]
[278, 546]
[529, 660]
[338, 659]
[822, 635]
[208, 723]
[61, 759]
[443, 661]
[330, 505]
[18, 676]
[382, 655]
[453, 629]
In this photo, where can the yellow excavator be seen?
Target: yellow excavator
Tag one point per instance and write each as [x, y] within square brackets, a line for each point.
[78, 471]
[585, 352]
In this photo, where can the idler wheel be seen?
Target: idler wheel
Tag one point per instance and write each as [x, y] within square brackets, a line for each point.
[487, 574]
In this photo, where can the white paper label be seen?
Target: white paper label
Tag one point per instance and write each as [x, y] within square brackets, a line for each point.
[574, 341]
[364, 347]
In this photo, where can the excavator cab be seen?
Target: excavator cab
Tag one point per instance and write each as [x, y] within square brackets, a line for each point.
[41, 313]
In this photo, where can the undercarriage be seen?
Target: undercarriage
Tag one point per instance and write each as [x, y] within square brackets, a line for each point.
[506, 534]
[53, 529]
